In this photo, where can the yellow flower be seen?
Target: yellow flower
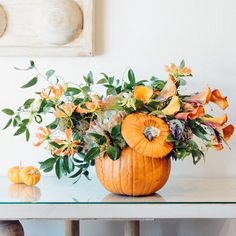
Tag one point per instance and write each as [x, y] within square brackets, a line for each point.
[143, 93]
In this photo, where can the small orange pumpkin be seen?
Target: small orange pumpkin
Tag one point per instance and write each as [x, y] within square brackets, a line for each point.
[147, 134]
[30, 175]
[133, 173]
[14, 174]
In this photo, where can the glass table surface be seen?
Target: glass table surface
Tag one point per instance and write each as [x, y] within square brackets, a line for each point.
[50, 190]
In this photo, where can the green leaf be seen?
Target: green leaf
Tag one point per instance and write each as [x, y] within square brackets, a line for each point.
[28, 103]
[16, 121]
[131, 77]
[72, 91]
[111, 80]
[50, 73]
[30, 83]
[59, 168]
[99, 139]
[20, 131]
[47, 164]
[102, 81]
[27, 135]
[89, 78]
[182, 64]
[115, 131]
[38, 119]
[8, 124]
[78, 173]
[68, 164]
[32, 65]
[113, 152]
[8, 111]
[92, 153]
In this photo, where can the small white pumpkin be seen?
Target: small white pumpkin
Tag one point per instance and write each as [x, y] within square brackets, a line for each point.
[58, 22]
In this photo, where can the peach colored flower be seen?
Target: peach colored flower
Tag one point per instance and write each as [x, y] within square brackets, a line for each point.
[201, 98]
[177, 71]
[90, 106]
[56, 91]
[43, 134]
[218, 99]
[69, 147]
[215, 121]
[191, 112]
[65, 110]
[143, 93]
[168, 91]
[173, 107]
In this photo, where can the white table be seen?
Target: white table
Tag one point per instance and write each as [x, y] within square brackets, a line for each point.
[60, 199]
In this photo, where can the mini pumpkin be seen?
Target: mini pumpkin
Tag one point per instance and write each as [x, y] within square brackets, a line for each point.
[30, 175]
[133, 173]
[14, 174]
[146, 134]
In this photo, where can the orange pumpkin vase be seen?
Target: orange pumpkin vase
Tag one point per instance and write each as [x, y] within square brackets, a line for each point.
[133, 173]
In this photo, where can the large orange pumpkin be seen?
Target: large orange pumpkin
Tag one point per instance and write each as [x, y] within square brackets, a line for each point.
[146, 134]
[133, 173]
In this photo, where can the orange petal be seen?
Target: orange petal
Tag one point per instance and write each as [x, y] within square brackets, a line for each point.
[192, 115]
[173, 107]
[143, 93]
[186, 71]
[168, 91]
[215, 121]
[201, 98]
[68, 133]
[227, 132]
[218, 99]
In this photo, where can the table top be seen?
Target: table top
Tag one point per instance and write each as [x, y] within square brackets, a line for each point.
[62, 196]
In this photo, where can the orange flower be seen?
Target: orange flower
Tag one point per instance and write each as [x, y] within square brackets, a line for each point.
[90, 106]
[69, 147]
[168, 91]
[201, 98]
[65, 110]
[215, 121]
[173, 107]
[56, 91]
[43, 134]
[143, 93]
[177, 71]
[218, 99]
[216, 144]
[191, 113]
[226, 131]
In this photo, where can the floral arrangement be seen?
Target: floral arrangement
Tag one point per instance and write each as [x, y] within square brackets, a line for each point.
[154, 117]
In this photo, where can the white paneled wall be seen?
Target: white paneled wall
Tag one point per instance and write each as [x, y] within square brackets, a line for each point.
[144, 35]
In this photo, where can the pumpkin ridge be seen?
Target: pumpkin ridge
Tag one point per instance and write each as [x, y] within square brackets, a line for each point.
[121, 176]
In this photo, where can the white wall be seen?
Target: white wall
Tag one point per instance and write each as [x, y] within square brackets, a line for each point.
[145, 35]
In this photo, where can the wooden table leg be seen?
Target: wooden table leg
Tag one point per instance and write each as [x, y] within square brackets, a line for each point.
[72, 228]
[132, 228]
[11, 228]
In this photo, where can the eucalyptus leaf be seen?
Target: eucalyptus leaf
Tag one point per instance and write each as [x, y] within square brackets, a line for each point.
[30, 83]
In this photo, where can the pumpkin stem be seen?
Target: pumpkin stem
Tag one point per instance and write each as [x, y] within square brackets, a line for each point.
[151, 132]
